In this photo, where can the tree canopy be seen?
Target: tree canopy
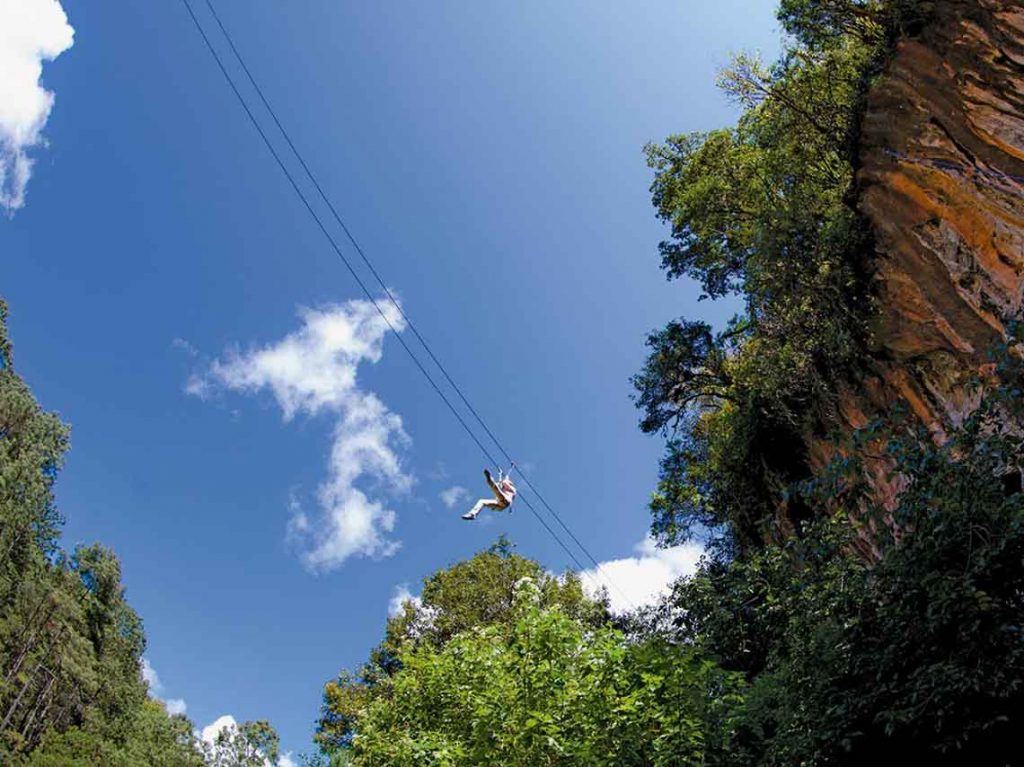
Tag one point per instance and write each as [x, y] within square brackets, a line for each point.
[502, 663]
[544, 690]
[71, 685]
[470, 595]
[763, 210]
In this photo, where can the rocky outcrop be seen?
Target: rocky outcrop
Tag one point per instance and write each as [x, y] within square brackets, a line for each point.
[941, 181]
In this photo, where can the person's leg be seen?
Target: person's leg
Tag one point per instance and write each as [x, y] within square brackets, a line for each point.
[472, 513]
[480, 506]
[498, 495]
[494, 487]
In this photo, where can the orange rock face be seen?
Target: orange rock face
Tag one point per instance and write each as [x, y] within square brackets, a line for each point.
[941, 181]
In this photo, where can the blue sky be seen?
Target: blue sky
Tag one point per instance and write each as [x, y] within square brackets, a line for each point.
[488, 157]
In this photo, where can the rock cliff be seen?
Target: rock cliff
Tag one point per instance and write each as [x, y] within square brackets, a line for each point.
[941, 181]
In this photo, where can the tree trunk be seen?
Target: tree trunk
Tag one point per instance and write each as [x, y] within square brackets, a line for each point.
[17, 701]
[42, 696]
[26, 647]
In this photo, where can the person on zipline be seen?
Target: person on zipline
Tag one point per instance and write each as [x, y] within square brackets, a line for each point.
[504, 493]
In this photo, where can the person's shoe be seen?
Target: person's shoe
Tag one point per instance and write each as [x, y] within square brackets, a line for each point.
[487, 473]
[469, 516]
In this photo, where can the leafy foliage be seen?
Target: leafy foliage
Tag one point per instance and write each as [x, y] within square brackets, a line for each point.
[763, 210]
[479, 592]
[148, 737]
[545, 689]
[250, 744]
[820, 24]
[473, 594]
[916, 659]
[71, 689]
[802, 652]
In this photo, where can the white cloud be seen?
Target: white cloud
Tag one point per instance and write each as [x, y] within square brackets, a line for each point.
[156, 690]
[453, 495]
[184, 345]
[313, 371]
[151, 678]
[438, 473]
[223, 753]
[197, 386]
[31, 32]
[175, 706]
[399, 597]
[210, 732]
[643, 579]
[423, 616]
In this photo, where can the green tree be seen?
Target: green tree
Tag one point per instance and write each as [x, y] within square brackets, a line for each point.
[479, 592]
[32, 447]
[914, 659]
[150, 737]
[764, 210]
[71, 690]
[546, 689]
[249, 744]
[469, 595]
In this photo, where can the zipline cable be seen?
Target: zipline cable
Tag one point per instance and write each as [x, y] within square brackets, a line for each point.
[387, 291]
[352, 271]
[359, 281]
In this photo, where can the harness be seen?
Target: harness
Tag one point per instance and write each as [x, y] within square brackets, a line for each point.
[508, 490]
